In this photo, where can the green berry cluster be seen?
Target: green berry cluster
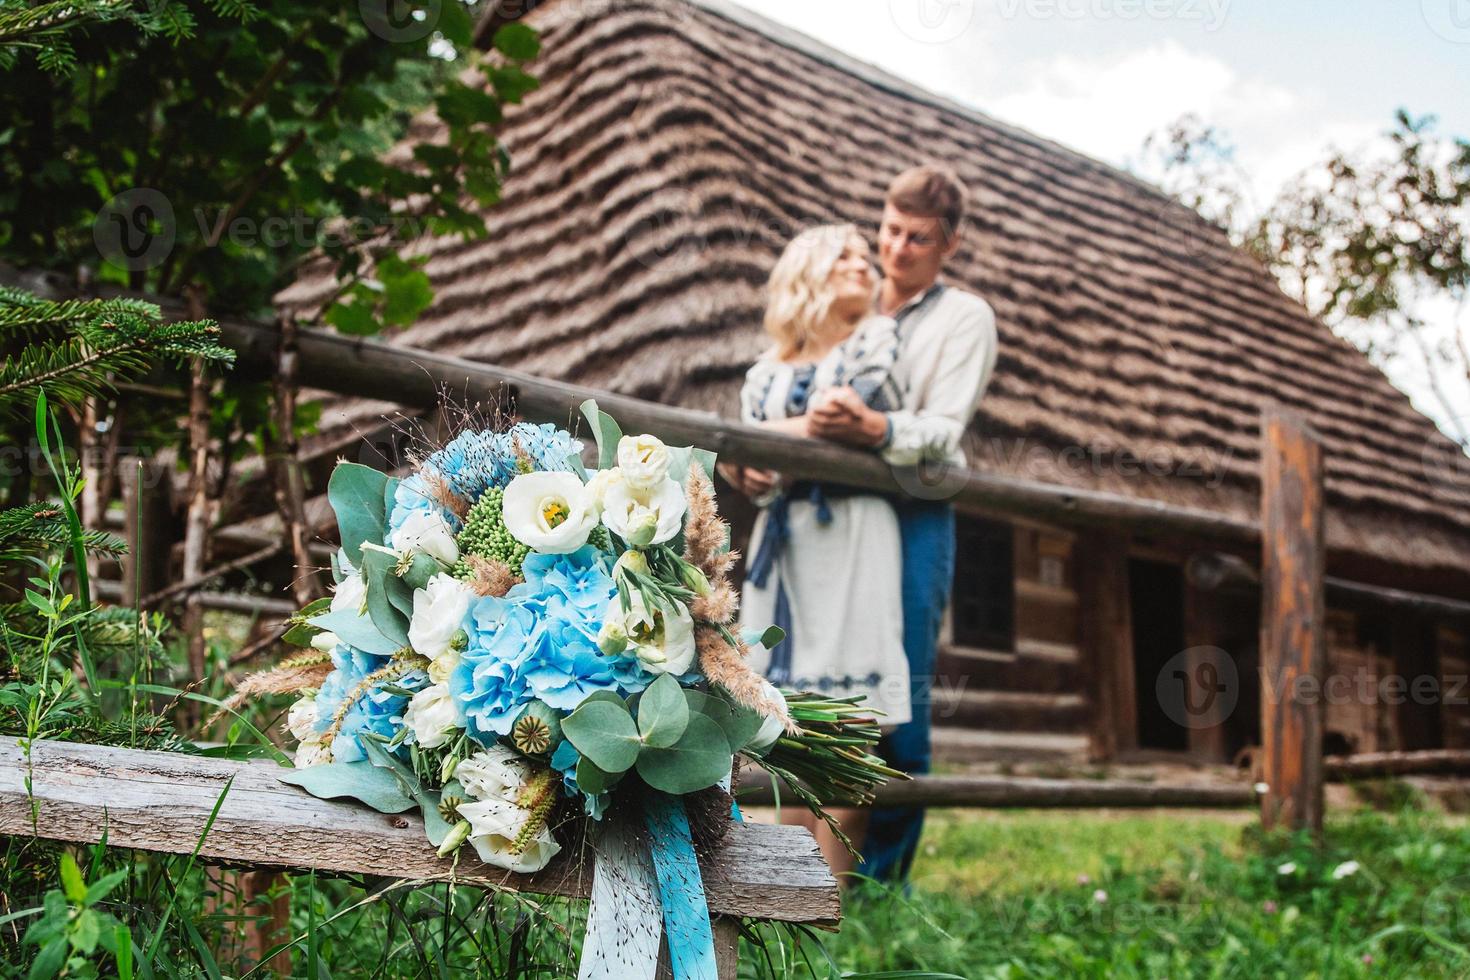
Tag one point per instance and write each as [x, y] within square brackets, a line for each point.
[485, 535]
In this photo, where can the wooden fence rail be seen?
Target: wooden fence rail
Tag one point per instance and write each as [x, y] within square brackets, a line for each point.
[160, 801]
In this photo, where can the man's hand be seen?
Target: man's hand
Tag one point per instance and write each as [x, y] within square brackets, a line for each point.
[842, 416]
[747, 479]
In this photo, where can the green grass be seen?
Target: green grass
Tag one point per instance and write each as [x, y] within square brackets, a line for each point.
[994, 895]
[1049, 894]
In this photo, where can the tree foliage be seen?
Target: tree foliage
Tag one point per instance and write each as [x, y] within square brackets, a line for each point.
[1377, 244]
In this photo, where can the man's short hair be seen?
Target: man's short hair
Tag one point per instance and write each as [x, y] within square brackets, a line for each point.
[930, 192]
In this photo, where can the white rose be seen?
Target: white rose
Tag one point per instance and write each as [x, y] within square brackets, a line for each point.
[601, 482]
[301, 719]
[438, 613]
[426, 531]
[772, 727]
[350, 594]
[494, 773]
[433, 715]
[646, 517]
[644, 461]
[662, 637]
[549, 512]
[495, 825]
[313, 752]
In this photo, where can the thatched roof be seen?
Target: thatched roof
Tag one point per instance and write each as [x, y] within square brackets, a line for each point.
[674, 148]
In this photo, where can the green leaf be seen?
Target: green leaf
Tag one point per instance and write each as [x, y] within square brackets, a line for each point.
[300, 635]
[48, 962]
[386, 596]
[592, 780]
[85, 932]
[512, 84]
[406, 290]
[772, 636]
[99, 889]
[378, 787]
[71, 880]
[356, 319]
[605, 430]
[663, 713]
[738, 722]
[518, 41]
[605, 733]
[701, 758]
[357, 631]
[435, 828]
[356, 495]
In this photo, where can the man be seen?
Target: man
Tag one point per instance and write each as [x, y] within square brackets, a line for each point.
[947, 346]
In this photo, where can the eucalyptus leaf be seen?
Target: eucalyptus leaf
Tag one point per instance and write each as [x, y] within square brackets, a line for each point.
[357, 496]
[738, 723]
[435, 828]
[592, 780]
[701, 758]
[362, 781]
[663, 713]
[300, 634]
[356, 631]
[606, 431]
[605, 733]
[382, 586]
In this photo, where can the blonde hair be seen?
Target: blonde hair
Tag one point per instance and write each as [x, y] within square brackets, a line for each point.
[799, 292]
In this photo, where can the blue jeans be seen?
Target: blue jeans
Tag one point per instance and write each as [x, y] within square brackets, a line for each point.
[928, 570]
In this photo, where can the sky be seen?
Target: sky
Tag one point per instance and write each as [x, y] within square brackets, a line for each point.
[1286, 81]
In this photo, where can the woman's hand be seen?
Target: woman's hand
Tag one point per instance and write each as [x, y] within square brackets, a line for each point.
[747, 480]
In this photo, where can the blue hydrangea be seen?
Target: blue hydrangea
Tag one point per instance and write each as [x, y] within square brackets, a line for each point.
[474, 461]
[547, 445]
[539, 642]
[412, 496]
[377, 711]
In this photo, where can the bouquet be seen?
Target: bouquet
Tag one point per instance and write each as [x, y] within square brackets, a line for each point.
[516, 644]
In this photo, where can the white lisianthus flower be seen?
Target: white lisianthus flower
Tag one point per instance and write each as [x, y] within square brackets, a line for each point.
[496, 825]
[662, 637]
[642, 518]
[439, 610]
[644, 461]
[772, 727]
[301, 719]
[549, 512]
[426, 531]
[313, 752]
[494, 773]
[432, 715]
[600, 483]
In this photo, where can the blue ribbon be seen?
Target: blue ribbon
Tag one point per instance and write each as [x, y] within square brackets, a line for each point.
[773, 546]
[687, 930]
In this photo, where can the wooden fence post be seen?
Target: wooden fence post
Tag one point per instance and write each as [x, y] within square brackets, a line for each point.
[1293, 651]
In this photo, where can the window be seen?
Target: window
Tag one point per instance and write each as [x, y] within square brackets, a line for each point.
[983, 603]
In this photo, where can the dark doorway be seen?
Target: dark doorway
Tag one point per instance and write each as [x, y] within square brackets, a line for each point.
[1157, 599]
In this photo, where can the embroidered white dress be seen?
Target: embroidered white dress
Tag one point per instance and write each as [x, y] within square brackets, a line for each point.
[836, 579]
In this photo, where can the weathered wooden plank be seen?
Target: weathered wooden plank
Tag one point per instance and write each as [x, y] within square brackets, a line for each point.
[1424, 762]
[1293, 621]
[1106, 640]
[1012, 792]
[158, 801]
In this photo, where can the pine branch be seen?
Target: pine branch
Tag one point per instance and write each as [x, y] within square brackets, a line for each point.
[42, 525]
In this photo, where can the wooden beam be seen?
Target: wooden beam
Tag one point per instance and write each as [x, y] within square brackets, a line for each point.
[1376, 765]
[1216, 570]
[1208, 735]
[1106, 641]
[160, 801]
[1013, 792]
[1293, 622]
[353, 365]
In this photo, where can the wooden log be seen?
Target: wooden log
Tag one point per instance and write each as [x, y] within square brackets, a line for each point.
[353, 365]
[1106, 641]
[1375, 765]
[1018, 792]
[1215, 570]
[1293, 622]
[159, 801]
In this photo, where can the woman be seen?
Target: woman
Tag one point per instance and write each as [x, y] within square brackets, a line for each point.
[824, 561]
